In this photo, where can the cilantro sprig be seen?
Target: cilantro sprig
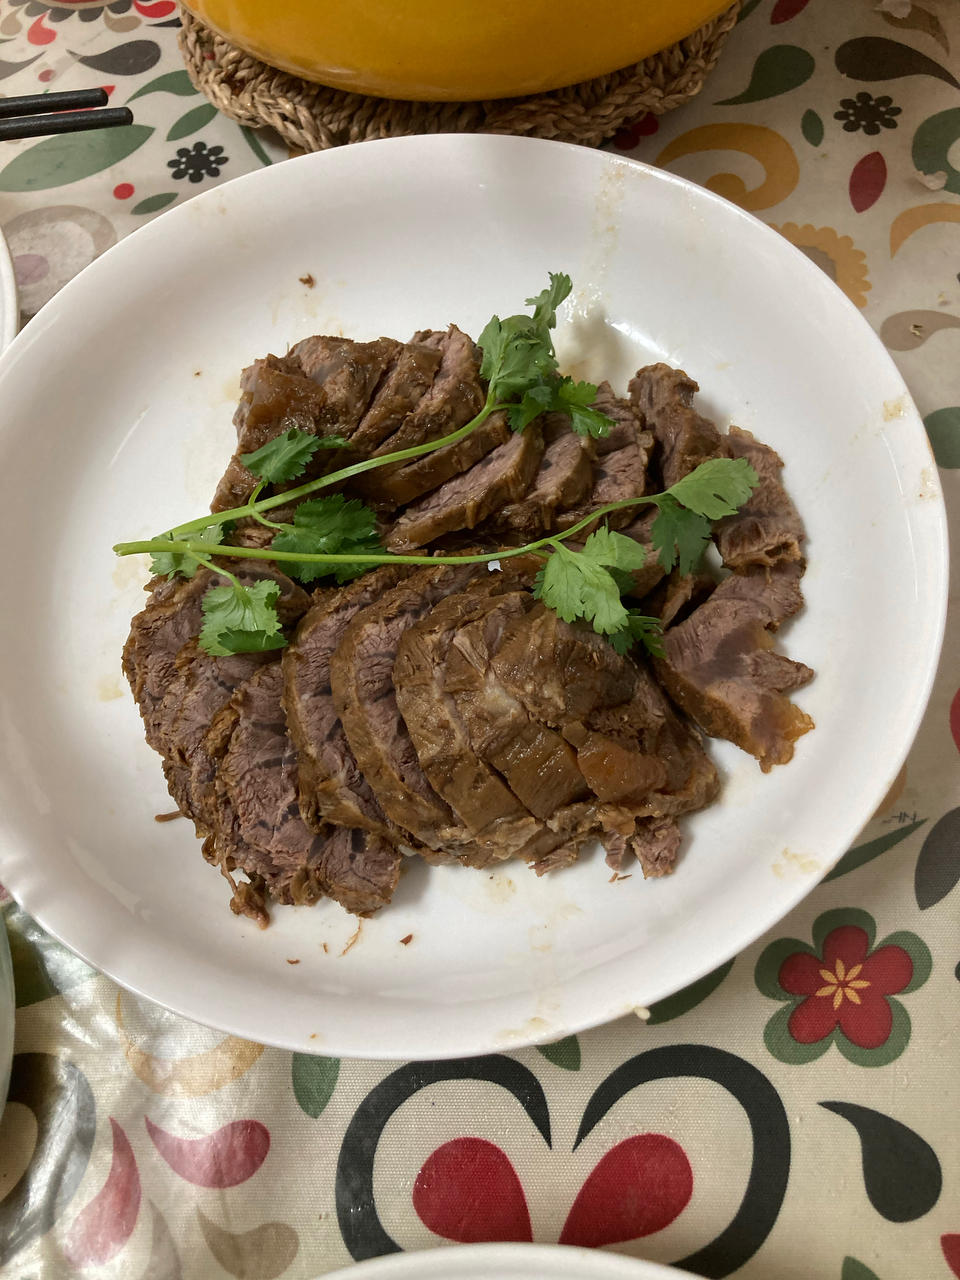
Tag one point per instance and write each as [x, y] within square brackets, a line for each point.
[584, 582]
[287, 455]
[332, 536]
[521, 365]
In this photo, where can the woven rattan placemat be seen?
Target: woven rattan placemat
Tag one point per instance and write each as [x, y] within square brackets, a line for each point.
[310, 117]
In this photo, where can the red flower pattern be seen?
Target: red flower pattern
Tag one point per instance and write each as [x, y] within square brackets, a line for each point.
[846, 988]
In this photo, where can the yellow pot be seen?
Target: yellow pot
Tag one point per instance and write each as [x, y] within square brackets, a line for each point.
[463, 49]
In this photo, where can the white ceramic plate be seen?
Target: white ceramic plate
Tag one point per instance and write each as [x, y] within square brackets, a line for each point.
[116, 405]
[509, 1262]
[9, 311]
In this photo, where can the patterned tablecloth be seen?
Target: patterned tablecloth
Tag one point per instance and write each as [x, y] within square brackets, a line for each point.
[795, 1114]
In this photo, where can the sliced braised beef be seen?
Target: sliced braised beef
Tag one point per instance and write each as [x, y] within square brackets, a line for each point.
[767, 530]
[617, 476]
[273, 389]
[359, 869]
[631, 749]
[256, 789]
[655, 844]
[629, 425]
[361, 678]
[201, 687]
[331, 787]
[678, 595]
[652, 572]
[177, 778]
[686, 438]
[173, 616]
[406, 381]
[323, 386]
[463, 502]
[455, 396]
[474, 791]
[721, 669]
[259, 822]
[434, 469]
[349, 373]
[536, 762]
[560, 671]
[275, 395]
[564, 476]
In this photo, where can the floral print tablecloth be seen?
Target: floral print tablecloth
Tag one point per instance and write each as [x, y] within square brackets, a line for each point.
[794, 1114]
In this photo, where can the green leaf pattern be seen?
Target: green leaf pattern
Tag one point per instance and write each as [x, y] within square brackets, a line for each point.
[314, 1080]
[192, 122]
[66, 158]
[563, 1053]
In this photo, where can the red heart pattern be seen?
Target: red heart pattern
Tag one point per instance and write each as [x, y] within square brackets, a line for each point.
[468, 1191]
[637, 1188]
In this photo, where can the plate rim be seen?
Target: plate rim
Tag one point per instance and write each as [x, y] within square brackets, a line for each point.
[542, 1260]
[346, 1043]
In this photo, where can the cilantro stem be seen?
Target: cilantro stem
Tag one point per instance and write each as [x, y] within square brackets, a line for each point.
[254, 506]
[252, 503]
[207, 563]
[388, 557]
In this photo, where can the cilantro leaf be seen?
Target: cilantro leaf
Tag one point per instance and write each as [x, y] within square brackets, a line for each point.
[716, 488]
[305, 541]
[232, 641]
[601, 597]
[287, 455]
[522, 356]
[546, 302]
[491, 342]
[518, 352]
[575, 585]
[589, 422]
[308, 542]
[558, 584]
[347, 518]
[535, 401]
[615, 550]
[561, 395]
[679, 535]
[639, 629]
[576, 399]
[169, 563]
[329, 526]
[240, 619]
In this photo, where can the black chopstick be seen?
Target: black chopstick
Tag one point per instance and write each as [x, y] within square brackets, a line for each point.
[35, 104]
[65, 122]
